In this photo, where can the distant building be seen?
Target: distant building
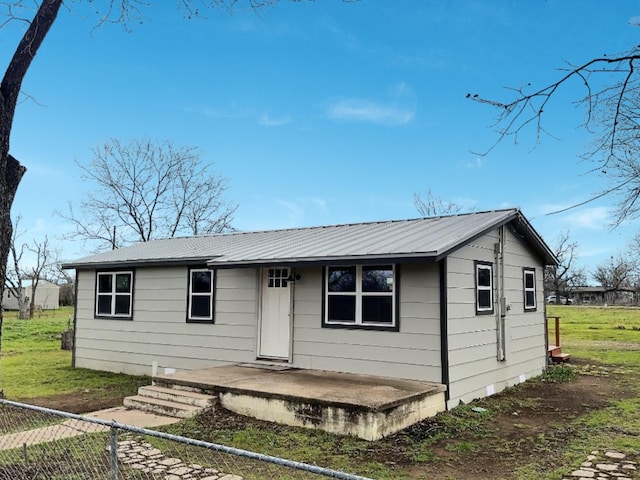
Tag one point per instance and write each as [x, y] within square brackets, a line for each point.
[600, 296]
[47, 296]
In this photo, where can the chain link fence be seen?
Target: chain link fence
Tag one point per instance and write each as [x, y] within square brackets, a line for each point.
[39, 443]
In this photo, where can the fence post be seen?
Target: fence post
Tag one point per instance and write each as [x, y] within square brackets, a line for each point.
[113, 453]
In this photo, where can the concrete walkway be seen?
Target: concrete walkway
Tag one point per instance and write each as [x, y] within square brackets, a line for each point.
[72, 427]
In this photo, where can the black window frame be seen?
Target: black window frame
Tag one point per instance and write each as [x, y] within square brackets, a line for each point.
[212, 294]
[529, 271]
[112, 315]
[358, 293]
[478, 265]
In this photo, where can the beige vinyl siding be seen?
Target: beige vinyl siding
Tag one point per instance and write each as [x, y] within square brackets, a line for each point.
[159, 331]
[413, 352]
[473, 362]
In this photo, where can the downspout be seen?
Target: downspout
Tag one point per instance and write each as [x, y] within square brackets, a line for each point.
[444, 328]
[501, 304]
[75, 321]
[292, 303]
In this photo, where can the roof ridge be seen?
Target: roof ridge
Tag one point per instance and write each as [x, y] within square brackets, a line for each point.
[338, 225]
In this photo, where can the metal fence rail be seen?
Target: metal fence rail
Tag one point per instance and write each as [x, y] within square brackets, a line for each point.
[41, 443]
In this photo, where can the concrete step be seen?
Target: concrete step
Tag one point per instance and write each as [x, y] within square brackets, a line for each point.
[177, 396]
[161, 407]
[177, 385]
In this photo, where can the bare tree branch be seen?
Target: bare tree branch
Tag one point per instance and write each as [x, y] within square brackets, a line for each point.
[565, 276]
[434, 205]
[615, 275]
[146, 190]
[611, 103]
[15, 274]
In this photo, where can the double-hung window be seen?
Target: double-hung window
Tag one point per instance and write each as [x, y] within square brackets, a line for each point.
[201, 284]
[484, 288]
[114, 294]
[529, 280]
[361, 296]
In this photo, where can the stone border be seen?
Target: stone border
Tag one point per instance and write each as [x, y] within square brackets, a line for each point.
[143, 456]
[605, 466]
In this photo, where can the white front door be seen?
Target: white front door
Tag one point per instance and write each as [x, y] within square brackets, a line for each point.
[275, 328]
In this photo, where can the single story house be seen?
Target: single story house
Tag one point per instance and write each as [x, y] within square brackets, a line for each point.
[456, 300]
[47, 296]
[601, 296]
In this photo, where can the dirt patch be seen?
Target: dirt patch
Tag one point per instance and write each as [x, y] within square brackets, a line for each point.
[76, 402]
[510, 435]
[46, 467]
[529, 423]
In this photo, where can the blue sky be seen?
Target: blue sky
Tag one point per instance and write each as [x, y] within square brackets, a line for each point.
[326, 112]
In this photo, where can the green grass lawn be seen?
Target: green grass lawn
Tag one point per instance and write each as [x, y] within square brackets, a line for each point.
[32, 364]
[609, 335]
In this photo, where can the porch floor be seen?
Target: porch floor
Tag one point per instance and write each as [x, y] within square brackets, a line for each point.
[330, 401]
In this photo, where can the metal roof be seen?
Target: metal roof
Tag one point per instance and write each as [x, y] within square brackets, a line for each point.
[423, 238]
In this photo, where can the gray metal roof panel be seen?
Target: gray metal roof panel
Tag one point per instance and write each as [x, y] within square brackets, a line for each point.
[427, 237]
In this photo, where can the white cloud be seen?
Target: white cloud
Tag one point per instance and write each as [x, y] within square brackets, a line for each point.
[267, 120]
[475, 163]
[368, 111]
[401, 89]
[594, 218]
[594, 251]
[635, 21]
[320, 204]
[399, 109]
[348, 39]
[298, 211]
[40, 225]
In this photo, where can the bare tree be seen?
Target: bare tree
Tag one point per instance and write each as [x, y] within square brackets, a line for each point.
[611, 100]
[146, 190]
[45, 261]
[66, 280]
[40, 264]
[13, 282]
[615, 275]
[564, 277]
[433, 205]
[36, 18]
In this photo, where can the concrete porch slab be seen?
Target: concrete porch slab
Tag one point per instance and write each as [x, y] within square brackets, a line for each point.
[363, 405]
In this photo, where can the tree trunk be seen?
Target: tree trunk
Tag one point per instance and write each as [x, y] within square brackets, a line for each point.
[32, 302]
[67, 340]
[9, 182]
[23, 309]
[11, 171]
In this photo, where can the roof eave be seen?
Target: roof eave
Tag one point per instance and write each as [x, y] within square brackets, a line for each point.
[327, 260]
[532, 237]
[135, 263]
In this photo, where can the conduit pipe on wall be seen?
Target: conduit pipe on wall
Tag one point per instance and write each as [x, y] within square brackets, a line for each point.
[501, 304]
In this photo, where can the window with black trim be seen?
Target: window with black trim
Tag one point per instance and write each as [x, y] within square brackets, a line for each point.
[529, 282]
[114, 294]
[360, 296]
[201, 285]
[484, 288]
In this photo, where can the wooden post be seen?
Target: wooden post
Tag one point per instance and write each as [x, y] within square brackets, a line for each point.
[557, 332]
